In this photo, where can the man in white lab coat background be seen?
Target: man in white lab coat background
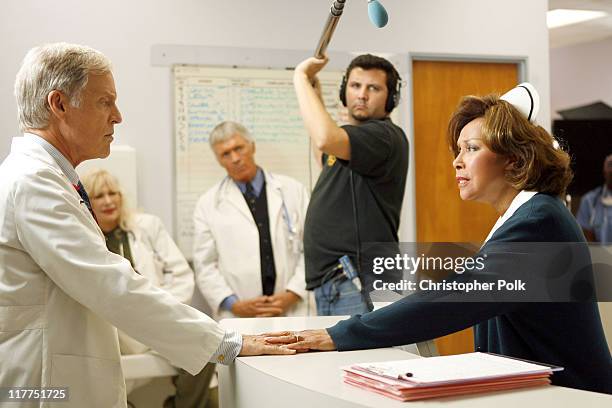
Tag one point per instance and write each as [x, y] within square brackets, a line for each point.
[248, 254]
[61, 291]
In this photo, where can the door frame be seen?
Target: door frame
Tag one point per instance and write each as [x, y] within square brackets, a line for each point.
[454, 342]
[408, 230]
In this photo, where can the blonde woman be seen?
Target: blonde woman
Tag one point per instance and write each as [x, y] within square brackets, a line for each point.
[143, 240]
[138, 237]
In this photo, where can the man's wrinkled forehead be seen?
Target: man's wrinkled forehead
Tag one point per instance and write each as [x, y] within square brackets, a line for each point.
[369, 72]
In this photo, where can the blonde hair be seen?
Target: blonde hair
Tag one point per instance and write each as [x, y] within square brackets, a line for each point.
[538, 163]
[94, 182]
[60, 66]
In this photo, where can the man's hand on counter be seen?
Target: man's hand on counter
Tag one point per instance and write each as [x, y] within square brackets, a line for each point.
[257, 345]
[302, 341]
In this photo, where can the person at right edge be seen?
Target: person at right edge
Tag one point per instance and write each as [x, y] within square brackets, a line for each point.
[364, 168]
[595, 212]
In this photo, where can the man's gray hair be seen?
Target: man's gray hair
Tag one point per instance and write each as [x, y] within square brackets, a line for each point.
[60, 66]
[225, 130]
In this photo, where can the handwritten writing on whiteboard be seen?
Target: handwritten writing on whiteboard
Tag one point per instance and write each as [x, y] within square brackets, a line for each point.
[264, 101]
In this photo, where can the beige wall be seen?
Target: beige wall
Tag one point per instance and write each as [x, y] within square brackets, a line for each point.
[127, 30]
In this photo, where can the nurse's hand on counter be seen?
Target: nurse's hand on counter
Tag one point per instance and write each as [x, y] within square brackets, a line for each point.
[257, 345]
[301, 341]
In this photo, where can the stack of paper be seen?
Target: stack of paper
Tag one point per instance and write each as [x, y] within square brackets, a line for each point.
[422, 378]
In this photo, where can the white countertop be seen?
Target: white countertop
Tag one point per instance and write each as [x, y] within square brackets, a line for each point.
[315, 379]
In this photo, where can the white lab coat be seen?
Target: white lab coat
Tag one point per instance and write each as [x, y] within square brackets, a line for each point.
[156, 257]
[62, 292]
[226, 243]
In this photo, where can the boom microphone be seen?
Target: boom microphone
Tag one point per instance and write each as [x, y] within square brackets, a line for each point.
[377, 13]
[332, 21]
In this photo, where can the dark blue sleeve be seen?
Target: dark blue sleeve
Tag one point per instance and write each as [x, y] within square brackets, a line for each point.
[427, 315]
[415, 318]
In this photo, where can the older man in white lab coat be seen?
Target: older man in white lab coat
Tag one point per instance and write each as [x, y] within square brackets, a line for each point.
[248, 254]
[61, 291]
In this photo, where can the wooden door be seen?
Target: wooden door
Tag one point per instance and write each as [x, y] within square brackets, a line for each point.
[441, 215]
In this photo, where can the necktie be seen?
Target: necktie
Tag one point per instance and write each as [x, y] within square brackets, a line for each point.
[81, 190]
[259, 210]
[250, 196]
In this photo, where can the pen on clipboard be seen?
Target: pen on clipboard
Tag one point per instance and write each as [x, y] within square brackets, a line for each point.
[384, 373]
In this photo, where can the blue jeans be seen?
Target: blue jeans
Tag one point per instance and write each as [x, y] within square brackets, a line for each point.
[339, 297]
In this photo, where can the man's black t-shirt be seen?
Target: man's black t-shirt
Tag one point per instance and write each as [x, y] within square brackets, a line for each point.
[379, 162]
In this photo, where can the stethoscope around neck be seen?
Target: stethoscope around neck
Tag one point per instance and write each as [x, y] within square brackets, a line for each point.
[291, 228]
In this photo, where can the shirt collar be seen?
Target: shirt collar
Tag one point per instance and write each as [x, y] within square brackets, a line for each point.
[257, 183]
[59, 158]
[520, 199]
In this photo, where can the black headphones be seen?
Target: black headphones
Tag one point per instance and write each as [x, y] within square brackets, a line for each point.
[393, 96]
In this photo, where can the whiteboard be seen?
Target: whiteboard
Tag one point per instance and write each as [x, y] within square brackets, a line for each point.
[264, 101]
